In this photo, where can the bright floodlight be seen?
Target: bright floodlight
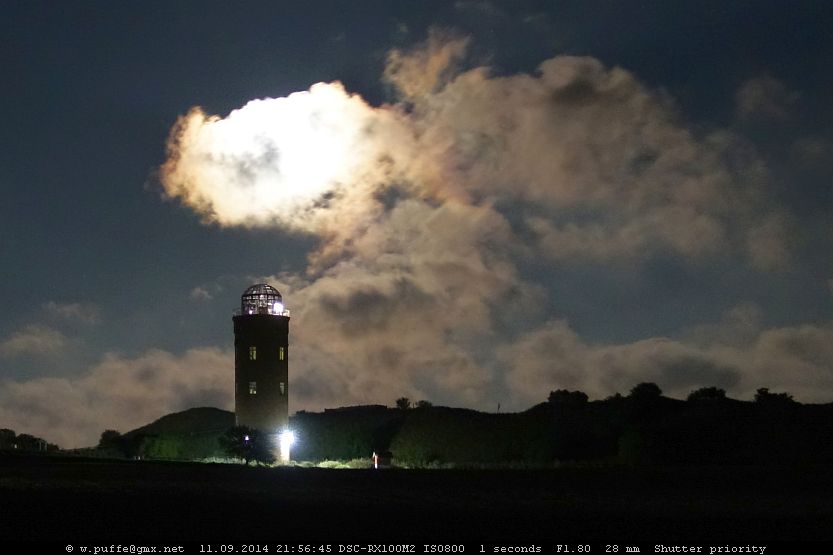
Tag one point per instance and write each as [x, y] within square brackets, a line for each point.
[286, 439]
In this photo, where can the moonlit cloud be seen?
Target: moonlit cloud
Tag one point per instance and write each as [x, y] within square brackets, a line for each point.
[597, 163]
[798, 359]
[426, 212]
[119, 393]
[765, 97]
[305, 162]
[600, 165]
[200, 294]
[427, 68]
[85, 313]
[405, 310]
[34, 340]
[812, 153]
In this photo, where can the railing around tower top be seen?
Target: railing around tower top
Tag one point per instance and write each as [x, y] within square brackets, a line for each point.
[272, 312]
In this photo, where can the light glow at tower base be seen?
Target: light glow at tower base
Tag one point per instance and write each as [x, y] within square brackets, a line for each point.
[285, 440]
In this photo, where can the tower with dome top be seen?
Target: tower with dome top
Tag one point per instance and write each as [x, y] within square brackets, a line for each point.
[261, 363]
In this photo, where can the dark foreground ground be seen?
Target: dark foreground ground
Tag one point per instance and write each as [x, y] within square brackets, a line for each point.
[65, 499]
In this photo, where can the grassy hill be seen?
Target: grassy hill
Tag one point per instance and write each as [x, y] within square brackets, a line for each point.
[187, 435]
[202, 420]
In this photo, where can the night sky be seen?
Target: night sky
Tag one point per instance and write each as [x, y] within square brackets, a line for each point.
[499, 199]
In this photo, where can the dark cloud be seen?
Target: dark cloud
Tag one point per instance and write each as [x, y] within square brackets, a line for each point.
[765, 97]
[371, 309]
[692, 372]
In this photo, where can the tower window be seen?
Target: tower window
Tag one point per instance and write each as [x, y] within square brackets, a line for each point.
[252, 353]
[283, 388]
[252, 388]
[281, 353]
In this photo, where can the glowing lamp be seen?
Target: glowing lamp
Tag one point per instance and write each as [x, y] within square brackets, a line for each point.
[286, 439]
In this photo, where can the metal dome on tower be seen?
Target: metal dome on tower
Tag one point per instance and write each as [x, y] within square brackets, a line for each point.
[262, 298]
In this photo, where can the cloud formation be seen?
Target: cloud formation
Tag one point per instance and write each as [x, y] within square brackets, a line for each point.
[599, 166]
[34, 340]
[200, 293]
[765, 97]
[119, 393]
[308, 162]
[426, 68]
[426, 210]
[407, 309]
[795, 358]
[84, 313]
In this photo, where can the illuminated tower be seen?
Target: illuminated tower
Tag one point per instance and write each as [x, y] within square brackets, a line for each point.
[261, 356]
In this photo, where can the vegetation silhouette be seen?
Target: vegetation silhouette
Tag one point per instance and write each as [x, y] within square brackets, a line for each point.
[188, 435]
[706, 395]
[562, 397]
[249, 444]
[764, 397]
[646, 391]
[642, 428]
[24, 443]
[642, 464]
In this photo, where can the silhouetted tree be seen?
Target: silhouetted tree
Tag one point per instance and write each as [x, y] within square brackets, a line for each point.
[403, 403]
[7, 439]
[706, 394]
[424, 404]
[643, 400]
[563, 397]
[646, 391]
[764, 397]
[132, 446]
[109, 438]
[26, 442]
[248, 444]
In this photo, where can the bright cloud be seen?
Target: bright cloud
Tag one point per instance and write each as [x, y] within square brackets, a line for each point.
[33, 340]
[85, 313]
[426, 211]
[297, 162]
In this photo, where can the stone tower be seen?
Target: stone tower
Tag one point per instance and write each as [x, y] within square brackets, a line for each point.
[261, 357]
